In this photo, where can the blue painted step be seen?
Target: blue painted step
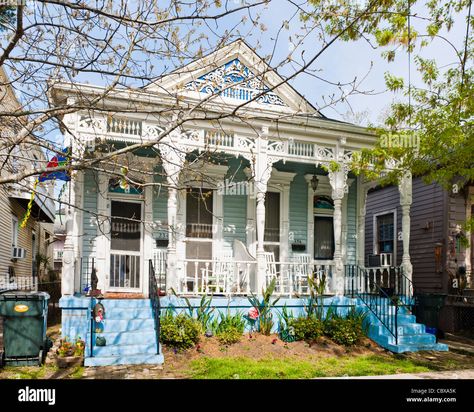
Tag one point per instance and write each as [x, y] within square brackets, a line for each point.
[129, 330]
[119, 350]
[128, 325]
[411, 328]
[128, 313]
[412, 336]
[125, 360]
[129, 338]
[126, 303]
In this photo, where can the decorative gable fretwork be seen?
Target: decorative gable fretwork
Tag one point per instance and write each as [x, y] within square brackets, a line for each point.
[235, 80]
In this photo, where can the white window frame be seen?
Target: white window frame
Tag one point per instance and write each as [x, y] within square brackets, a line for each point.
[374, 233]
[15, 231]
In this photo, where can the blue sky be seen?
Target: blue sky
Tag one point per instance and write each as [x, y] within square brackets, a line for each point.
[342, 62]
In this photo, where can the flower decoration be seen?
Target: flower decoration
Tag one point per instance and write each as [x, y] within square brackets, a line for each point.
[253, 314]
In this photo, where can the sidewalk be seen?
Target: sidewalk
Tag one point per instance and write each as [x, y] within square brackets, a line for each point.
[459, 374]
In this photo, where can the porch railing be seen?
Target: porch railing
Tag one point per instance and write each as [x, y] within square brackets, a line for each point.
[155, 302]
[386, 292]
[292, 277]
[231, 277]
[206, 276]
[160, 265]
[87, 268]
[12, 282]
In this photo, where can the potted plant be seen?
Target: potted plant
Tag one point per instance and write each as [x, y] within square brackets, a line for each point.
[70, 353]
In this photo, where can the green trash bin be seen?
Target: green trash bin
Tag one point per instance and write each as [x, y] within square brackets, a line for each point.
[24, 327]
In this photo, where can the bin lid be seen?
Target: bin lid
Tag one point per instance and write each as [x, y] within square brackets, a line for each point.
[22, 295]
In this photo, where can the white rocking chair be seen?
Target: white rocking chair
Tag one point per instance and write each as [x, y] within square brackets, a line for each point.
[301, 271]
[219, 277]
[282, 278]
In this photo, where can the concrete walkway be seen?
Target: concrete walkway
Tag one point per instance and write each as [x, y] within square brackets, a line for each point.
[459, 344]
[459, 374]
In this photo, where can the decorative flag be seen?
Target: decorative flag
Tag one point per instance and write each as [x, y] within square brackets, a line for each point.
[57, 161]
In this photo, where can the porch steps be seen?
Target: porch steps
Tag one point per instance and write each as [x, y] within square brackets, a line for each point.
[412, 336]
[129, 330]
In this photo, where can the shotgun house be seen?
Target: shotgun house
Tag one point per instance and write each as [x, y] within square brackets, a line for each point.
[441, 248]
[256, 186]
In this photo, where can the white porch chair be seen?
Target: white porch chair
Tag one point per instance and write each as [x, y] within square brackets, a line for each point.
[220, 276]
[282, 278]
[301, 270]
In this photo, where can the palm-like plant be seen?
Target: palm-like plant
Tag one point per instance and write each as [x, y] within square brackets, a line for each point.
[315, 302]
[264, 308]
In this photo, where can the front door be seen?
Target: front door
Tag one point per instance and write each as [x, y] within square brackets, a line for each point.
[271, 237]
[125, 246]
[199, 234]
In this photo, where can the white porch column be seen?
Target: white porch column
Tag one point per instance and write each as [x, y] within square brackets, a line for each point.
[361, 213]
[69, 267]
[104, 227]
[405, 189]
[148, 227]
[77, 226]
[67, 278]
[262, 169]
[173, 160]
[338, 181]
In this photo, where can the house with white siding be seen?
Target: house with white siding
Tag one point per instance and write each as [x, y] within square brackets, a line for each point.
[218, 207]
[19, 246]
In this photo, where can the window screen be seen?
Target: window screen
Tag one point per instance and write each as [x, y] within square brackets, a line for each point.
[125, 233]
[323, 237]
[385, 233]
[199, 213]
[272, 217]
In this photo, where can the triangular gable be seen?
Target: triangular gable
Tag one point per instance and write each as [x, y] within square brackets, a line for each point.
[235, 80]
[235, 64]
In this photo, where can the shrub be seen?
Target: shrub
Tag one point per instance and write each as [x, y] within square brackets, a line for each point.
[229, 328]
[203, 311]
[345, 332]
[306, 328]
[229, 335]
[181, 331]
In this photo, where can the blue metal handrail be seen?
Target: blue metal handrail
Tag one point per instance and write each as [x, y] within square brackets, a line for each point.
[378, 299]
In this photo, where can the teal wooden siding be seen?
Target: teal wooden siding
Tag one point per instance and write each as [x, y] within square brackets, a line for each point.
[351, 245]
[89, 223]
[299, 209]
[235, 206]
[298, 213]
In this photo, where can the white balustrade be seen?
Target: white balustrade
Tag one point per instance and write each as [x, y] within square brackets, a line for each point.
[120, 125]
[292, 277]
[8, 282]
[207, 276]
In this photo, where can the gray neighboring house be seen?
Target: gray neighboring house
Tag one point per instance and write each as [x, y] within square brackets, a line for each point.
[442, 265]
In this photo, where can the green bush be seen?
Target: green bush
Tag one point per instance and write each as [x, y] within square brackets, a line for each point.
[345, 332]
[229, 328]
[229, 335]
[305, 328]
[181, 331]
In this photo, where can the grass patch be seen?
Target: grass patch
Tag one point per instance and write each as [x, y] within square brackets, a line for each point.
[77, 373]
[287, 368]
[24, 372]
